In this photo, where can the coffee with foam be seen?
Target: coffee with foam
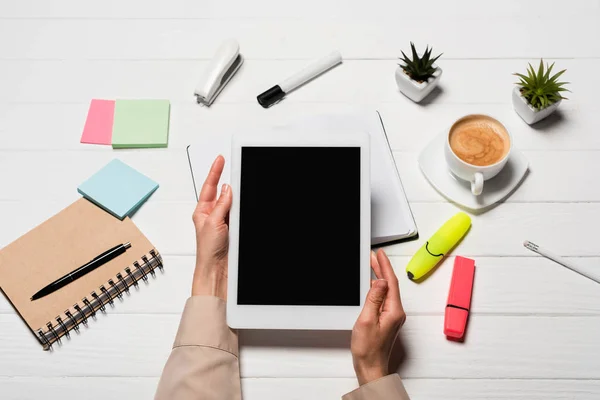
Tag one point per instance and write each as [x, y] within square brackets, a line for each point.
[479, 140]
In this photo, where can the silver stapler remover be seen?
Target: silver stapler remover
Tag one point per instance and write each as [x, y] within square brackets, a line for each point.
[222, 67]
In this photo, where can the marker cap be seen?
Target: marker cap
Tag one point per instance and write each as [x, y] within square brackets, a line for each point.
[270, 97]
[459, 297]
[449, 234]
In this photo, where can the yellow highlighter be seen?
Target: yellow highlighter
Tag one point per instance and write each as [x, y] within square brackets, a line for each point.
[437, 246]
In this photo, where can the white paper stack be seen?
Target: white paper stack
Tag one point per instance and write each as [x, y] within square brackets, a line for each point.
[391, 217]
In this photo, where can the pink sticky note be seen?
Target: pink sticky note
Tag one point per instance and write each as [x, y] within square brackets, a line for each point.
[99, 122]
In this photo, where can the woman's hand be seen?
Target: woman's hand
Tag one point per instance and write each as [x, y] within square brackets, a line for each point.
[378, 324]
[211, 219]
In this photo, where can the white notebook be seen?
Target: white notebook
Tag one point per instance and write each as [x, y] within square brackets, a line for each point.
[391, 217]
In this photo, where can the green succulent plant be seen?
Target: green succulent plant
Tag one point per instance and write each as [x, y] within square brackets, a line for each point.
[540, 89]
[419, 69]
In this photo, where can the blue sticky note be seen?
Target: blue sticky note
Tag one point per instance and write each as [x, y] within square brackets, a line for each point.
[118, 188]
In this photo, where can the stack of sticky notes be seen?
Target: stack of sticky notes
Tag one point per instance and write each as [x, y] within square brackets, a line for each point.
[127, 123]
[99, 122]
[118, 188]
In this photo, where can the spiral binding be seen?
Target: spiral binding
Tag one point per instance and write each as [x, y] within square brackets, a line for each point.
[80, 312]
[122, 281]
[87, 303]
[145, 260]
[72, 319]
[141, 270]
[130, 275]
[51, 329]
[105, 292]
[63, 326]
[97, 298]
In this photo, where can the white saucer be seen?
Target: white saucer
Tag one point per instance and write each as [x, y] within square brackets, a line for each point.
[433, 166]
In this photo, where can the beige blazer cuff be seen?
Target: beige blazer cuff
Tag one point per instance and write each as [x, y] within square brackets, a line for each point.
[203, 323]
[389, 387]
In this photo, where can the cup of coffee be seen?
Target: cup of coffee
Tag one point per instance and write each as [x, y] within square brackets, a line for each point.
[477, 148]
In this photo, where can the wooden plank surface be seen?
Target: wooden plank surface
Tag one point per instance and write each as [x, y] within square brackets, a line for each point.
[138, 345]
[311, 9]
[300, 388]
[499, 232]
[534, 326]
[67, 81]
[354, 37]
[562, 167]
[36, 125]
[505, 286]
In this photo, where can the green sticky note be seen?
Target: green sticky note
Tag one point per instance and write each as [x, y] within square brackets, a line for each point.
[141, 123]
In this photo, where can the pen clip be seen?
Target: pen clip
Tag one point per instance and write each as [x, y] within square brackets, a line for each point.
[126, 246]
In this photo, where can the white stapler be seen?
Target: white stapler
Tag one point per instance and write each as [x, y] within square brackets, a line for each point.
[222, 67]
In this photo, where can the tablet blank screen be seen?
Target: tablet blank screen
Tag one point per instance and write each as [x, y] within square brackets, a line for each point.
[299, 239]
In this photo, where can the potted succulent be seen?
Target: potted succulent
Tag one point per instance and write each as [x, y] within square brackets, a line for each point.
[417, 77]
[537, 95]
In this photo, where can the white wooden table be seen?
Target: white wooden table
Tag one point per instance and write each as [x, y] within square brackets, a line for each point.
[535, 327]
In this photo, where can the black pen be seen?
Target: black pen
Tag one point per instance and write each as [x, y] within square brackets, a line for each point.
[84, 269]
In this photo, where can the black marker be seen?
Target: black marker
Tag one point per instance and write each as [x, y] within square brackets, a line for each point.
[278, 92]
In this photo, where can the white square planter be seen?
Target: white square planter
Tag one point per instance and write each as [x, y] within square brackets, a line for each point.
[527, 112]
[414, 90]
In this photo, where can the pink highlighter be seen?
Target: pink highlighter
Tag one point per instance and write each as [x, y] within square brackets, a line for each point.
[459, 298]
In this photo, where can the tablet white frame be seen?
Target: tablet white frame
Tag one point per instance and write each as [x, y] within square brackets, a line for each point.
[298, 317]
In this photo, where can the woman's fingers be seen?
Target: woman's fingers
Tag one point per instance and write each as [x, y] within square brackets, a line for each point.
[223, 205]
[375, 298]
[392, 301]
[375, 266]
[208, 193]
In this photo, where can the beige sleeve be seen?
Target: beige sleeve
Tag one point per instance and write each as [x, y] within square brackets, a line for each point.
[387, 388]
[204, 361]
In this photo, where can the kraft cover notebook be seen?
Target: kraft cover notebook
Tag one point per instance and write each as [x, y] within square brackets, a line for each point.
[60, 245]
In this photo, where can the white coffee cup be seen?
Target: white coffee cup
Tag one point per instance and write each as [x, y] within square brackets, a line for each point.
[476, 174]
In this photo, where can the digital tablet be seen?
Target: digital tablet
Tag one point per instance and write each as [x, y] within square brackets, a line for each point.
[299, 230]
